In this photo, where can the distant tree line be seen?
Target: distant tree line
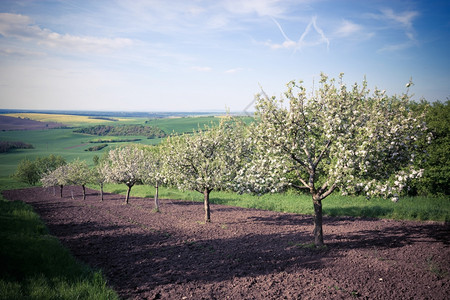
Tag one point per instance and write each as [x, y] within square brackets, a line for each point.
[113, 141]
[124, 130]
[6, 146]
[96, 148]
[104, 118]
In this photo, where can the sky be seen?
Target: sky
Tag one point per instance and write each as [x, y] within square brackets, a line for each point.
[214, 55]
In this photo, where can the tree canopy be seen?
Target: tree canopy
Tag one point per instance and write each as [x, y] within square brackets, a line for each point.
[206, 160]
[338, 138]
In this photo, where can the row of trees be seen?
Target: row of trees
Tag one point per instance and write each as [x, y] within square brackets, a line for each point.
[124, 130]
[335, 139]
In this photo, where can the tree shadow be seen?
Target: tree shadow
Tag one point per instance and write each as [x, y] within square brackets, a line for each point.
[355, 211]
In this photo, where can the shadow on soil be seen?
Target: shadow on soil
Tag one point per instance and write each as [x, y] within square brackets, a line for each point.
[138, 258]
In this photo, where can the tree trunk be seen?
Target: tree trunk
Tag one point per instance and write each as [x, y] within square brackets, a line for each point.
[84, 192]
[156, 198]
[318, 234]
[206, 202]
[101, 191]
[61, 188]
[128, 194]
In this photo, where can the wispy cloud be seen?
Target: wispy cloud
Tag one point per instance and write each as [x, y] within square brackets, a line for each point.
[305, 39]
[201, 69]
[235, 70]
[272, 8]
[348, 28]
[23, 28]
[403, 20]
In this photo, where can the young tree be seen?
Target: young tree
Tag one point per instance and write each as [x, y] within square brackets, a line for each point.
[100, 174]
[206, 160]
[154, 175]
[78, 173]
[57, 177]
[126, 165]
[337, 138]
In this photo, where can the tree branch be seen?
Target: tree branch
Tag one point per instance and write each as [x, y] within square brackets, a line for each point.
[328, 192]
[322, 154]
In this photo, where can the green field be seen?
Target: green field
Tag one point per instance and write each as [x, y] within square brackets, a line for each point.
[70, 145]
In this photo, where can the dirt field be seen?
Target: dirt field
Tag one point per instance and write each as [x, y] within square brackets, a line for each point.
[10, 123]
[244, 253]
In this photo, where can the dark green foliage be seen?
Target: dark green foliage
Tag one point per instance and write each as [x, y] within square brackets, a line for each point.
[8, 146]
[97, 148]
[123, 130]
[27, 172]
[114, 141]
[31, 171]
[436, 158]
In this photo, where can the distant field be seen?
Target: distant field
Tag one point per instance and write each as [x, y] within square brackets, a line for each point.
[187, 124]
[72, 145]
[65, 119]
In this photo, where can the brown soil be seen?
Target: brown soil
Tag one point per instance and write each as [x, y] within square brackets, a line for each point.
[10, 123]
[244, 253]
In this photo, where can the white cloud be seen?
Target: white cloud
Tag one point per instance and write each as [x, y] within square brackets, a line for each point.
[260, 7]
[235, 70]
[348, 28]
[22, 28]
[402, 20]
[14, 51]
[307, 39]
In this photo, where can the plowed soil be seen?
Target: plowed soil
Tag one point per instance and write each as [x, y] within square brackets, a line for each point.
[243, 253]
[11, 123]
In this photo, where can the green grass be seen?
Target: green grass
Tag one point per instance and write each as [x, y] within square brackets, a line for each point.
[34, 265]
[408, 208]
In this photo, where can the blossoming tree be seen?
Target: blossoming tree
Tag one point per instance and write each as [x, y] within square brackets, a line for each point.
[57, 177]
[154, 174]
[206, 160]
[100, 174]
[126, 165]
[78, 173]
[337, 138]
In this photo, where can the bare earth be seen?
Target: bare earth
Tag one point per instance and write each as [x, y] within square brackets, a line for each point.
[10, 123]
[244, 253]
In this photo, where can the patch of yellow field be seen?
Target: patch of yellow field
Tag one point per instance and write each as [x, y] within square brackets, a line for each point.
[59, 118]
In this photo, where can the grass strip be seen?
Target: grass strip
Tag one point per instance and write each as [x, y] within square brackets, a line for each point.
[34, 264]
[408, 208]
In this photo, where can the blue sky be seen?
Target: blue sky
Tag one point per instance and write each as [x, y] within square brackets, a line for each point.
[204, 55]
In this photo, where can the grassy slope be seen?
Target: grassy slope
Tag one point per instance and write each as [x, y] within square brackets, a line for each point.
[34, 265]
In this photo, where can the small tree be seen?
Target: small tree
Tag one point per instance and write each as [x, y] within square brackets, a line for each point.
[100, 175]
[154, 175]
[57, 177]
[78, 173]
[126, 165]
[336, 139]
[206, 160]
